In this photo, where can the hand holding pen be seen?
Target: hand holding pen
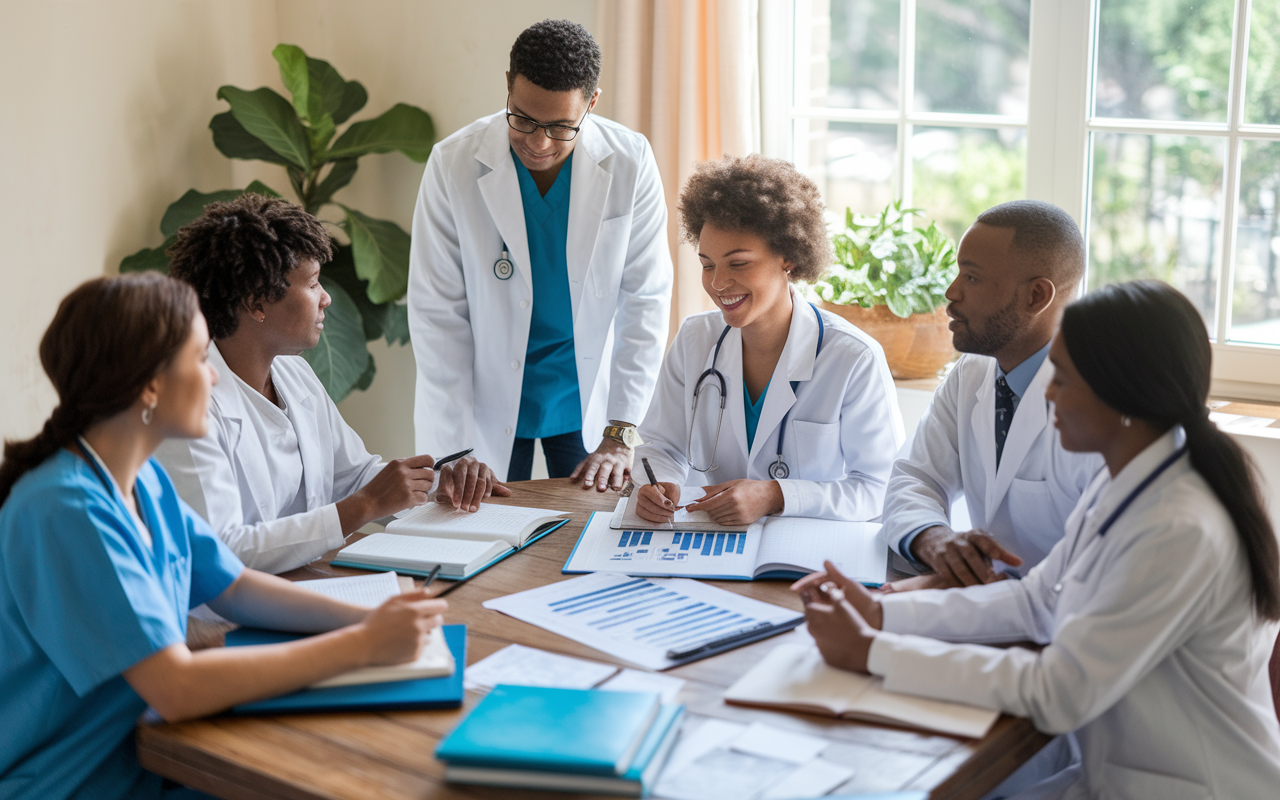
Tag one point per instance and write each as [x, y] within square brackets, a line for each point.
[657, 502]
[466, 483]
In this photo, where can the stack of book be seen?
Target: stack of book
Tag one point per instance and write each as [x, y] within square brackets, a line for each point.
[577, 740]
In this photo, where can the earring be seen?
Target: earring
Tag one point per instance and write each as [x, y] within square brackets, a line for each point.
[148, 412]
[1125, 421]
[263, 318]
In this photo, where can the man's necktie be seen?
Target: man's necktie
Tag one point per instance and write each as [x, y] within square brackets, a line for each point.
[1004, 414]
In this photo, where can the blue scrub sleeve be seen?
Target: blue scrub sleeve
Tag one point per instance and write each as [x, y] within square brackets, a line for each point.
[86, 598]
[214, 566]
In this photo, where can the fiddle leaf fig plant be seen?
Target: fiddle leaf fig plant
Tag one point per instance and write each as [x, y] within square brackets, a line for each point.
[884, 260]
[369, 273]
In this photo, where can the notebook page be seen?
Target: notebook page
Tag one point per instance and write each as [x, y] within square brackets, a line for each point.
[492, 521]
[435, 660]
[369, 591]
[683, 520]
[795, 674]
[804, 543]
[383, 546]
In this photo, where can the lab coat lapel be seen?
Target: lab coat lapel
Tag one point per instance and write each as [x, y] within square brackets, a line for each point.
[982, 422]
[302, 412]
[1028, 421]
[500, 189]
[795, 364]
[588, 189]
[249, 455]
[730, 365]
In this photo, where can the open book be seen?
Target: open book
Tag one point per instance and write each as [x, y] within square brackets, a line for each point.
[794, 677]
[462, 543]
[369, 591]
[625, 516]
[777, 547]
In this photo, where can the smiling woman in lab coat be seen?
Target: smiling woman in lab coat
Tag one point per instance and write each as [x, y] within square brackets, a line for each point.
[280, 475]
[784, 408]
[1157, 610]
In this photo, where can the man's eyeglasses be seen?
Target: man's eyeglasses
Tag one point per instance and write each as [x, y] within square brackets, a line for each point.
[562, 133]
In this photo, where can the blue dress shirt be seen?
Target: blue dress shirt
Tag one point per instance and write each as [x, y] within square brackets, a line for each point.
[549, 400]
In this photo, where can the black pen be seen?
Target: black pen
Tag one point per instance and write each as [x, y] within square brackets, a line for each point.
[431, 576]
[452, 457]
[758, 631]
[648, 470]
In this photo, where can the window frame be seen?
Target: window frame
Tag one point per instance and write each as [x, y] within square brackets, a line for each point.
[1059, 128]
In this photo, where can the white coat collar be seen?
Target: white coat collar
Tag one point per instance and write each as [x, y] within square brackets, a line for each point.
[1111, 492]
[588, 189]
[1028, 421]
[230, 401]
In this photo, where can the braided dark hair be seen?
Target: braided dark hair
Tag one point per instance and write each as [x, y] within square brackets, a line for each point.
[108, 339]
[1144, 351]
[242, 251]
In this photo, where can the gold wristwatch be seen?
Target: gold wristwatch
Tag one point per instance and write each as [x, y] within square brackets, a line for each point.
[624, 434]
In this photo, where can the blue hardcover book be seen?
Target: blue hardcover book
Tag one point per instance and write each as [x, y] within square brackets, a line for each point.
[578, 731]
[423, 693]
[638, 780]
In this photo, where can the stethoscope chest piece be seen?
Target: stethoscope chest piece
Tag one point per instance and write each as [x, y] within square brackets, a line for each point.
[503, 268]
[779, 470]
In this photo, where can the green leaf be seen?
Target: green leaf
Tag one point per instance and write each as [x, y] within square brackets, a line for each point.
[152, 258]
[341, 359]
[318, 136]
[353, 99]
[340, 174]
[404, 127]
[898, 304]
[381, 252]
[366, 380]
[191, 205]
[258, 187]
[233, 141]
[395, 322]
[269, 117]
[293, 72]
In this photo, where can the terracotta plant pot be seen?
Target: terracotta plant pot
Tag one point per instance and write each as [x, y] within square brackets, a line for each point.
[915, 347]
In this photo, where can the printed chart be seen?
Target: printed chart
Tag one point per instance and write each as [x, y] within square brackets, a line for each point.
[640, 619]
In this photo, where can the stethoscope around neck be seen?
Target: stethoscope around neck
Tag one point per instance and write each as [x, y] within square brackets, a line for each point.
[503, 268]
[778, 470]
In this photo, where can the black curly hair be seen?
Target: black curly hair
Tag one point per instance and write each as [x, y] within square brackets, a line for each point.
[556, 55]
[768, 197]
[243, 250]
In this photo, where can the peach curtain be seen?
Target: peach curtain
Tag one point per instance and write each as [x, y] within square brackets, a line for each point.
[686, 74]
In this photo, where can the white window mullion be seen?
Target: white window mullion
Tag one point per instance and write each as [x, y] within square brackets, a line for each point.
[1235, 115]
[906, 97]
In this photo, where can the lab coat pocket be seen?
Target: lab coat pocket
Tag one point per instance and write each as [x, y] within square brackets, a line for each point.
[1032, 500]
[818, 455]
[610, 256]
[1127, 783]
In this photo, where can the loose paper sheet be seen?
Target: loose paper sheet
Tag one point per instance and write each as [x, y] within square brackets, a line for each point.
[369, 591]
[518, 665]
[633, 680]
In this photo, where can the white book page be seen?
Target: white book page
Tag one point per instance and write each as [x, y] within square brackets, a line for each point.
[508, 523]
[434, 661]
[369, 591]
[661, 553]
[684, 519]
[392, 550]
[800, 542]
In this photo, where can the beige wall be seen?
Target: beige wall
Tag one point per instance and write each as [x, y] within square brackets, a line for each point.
[103, 119]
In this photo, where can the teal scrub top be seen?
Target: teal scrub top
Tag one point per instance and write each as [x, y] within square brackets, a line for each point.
[549, 400]
[753, 411]
[82, 599]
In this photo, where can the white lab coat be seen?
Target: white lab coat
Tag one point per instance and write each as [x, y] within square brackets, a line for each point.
[1025, 503]
[1154, 657]
[843, 423]
[470, 330]
[225, 476]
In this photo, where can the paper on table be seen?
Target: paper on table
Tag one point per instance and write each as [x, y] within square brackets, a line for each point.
[723, 775]
[498, 521]
[525, 666]
[369, 591]
[852, 546]
[765, 740]
[699, 738]
[638, 619]
[814, 779]
[633, 680]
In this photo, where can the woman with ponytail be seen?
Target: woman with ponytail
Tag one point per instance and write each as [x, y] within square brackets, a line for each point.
[1158, 609]
[100, 560]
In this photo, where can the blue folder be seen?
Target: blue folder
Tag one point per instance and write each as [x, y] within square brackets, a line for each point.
[423, 693]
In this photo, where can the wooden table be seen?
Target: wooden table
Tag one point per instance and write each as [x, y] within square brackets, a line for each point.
[389, 755]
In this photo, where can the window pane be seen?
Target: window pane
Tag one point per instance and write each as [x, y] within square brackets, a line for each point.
[971, 56]
[1262, 83]
[855, 165]
[1155, 212]
[1255, 316]
[863, 55]
[960, 172]
[1164, 59]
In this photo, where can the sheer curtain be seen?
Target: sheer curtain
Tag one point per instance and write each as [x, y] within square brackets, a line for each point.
[686, 74]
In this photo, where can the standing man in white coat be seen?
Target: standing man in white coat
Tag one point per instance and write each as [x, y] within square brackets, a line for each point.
[540, 276]
[987, 433]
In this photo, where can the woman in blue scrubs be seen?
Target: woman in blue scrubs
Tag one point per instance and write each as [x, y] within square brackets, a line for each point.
[100, 560]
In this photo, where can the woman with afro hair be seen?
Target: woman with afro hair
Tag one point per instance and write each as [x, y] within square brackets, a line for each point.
[783, 408]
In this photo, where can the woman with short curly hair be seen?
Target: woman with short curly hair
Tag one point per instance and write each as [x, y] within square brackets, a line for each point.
[280, 475]
[785, 409]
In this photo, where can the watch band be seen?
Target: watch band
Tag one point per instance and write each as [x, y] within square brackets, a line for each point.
[623, 434]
